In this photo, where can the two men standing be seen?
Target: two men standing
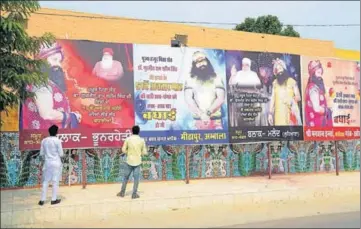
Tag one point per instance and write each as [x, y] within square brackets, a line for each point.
[52, 150]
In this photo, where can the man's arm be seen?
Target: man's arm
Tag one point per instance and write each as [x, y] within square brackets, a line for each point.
[60, 149]
[44, 103]
[296, 91]
[125, 146]
[120, 70]
[144, 149]
[42, 149]
[95, 69]
[220, 94]
[314, 97]
[189, 99]
[272, 101]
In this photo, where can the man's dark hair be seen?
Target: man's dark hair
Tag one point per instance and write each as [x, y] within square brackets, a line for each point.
[53, 130]
[135, 130]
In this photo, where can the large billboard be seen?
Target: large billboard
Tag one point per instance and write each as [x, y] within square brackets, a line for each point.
[264, 96]
[331, 91]
[180, 95]
[89, 95]
[97, 91]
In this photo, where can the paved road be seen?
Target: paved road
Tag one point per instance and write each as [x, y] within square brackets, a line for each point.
[340, 220]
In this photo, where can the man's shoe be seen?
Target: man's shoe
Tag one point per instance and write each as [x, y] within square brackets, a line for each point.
[41, 203]
[135, 196]
[55, 201]
[121, 194]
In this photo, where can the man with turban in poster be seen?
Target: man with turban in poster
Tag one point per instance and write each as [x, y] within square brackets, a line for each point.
[317, 111]
[107, 68]
[246, 77]
[50, 105]
[204, 93]
[284, 108]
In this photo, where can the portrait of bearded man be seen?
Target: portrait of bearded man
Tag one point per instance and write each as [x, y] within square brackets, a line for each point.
[108, 69]
[50, 105]
[204, 92]
[284, 109]
[246, 77]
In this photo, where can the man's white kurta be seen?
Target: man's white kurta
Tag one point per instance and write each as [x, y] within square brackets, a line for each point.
[246, 78]
[52, 150]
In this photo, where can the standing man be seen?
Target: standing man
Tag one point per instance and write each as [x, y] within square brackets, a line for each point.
[52, 150]
[284, 109]
[134, 146]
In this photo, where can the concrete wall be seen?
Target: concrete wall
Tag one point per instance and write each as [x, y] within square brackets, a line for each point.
[23, 169]
[109, 29]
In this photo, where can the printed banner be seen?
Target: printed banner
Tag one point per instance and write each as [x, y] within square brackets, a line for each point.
[331, 91]
[188, 96]
[180, 95]
[89, 96]
[264, 97]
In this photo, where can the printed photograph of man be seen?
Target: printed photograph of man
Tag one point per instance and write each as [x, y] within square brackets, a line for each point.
[50, 105]
[285, 98]
[246, 77]
[108, 68]
[205, 93]
[317, 111]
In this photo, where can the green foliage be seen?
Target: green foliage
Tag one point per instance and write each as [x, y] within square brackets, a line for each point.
[356, 159]
[254, 162]
[4, 176]
[267, 24]
[241, 169]
[297, 162]
[308, 162]
[346, 165]
[175, 169]
[18, 68]
[25, 172]
[98, 171]
[114, 172]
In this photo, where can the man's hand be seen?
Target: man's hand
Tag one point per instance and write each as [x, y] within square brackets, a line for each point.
[205, 117]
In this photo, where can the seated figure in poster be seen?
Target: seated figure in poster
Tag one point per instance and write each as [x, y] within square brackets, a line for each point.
[50, 105]
[108, 69]
[204, 93]
[284, 108]
[246, 77]
[317, 111]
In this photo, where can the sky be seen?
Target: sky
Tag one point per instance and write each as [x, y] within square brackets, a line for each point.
[289, 12]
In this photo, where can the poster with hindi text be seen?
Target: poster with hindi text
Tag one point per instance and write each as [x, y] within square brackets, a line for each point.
[180, 95]
[264, 97]
[89, 96]
[331, 91]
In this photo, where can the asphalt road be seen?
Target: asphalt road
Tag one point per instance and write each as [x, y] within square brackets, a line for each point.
[340, 220]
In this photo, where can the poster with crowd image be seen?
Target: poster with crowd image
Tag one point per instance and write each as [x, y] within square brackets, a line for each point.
[89, 95]
[180, 95]
[264, 97]
[331, 92]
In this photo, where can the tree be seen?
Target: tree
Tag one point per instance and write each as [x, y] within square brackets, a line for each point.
[18, 67]
[268, 25]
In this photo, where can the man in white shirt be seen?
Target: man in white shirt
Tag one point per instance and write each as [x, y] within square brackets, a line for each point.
[134, 146]
[52, 150]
